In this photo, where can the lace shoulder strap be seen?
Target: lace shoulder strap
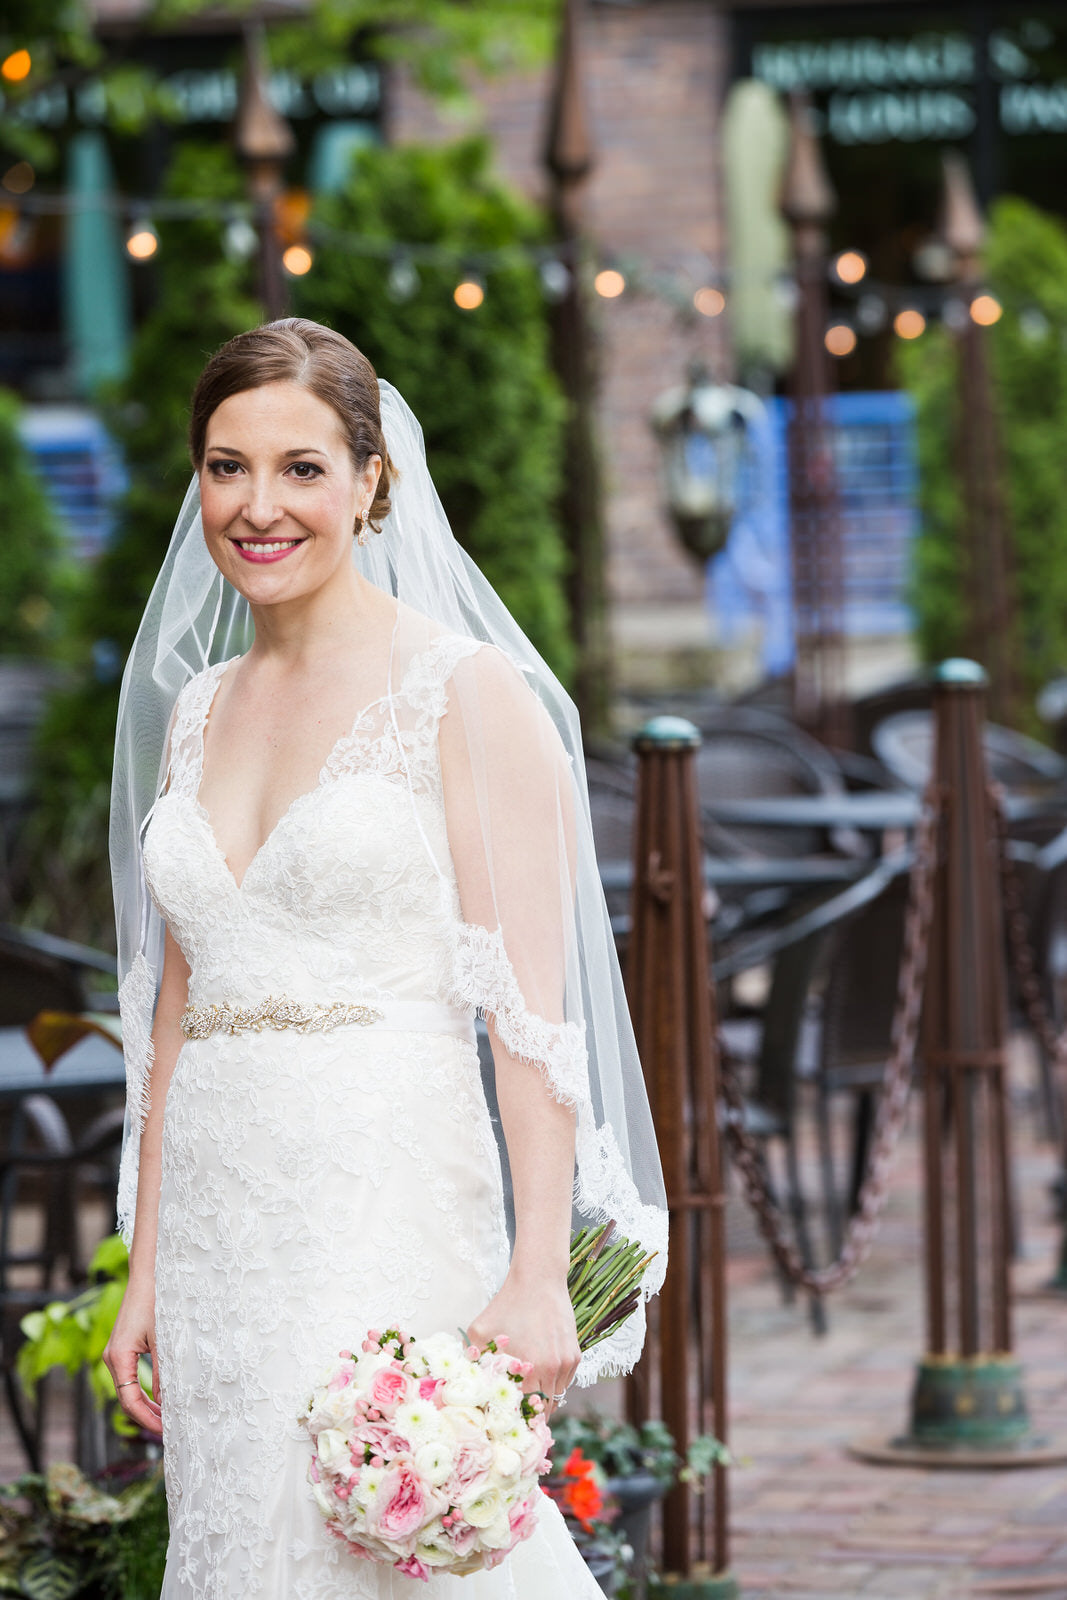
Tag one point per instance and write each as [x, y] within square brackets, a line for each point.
[186, 761]
[425, 683]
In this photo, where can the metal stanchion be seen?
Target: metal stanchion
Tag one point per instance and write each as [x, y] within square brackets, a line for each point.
[968, 1404]
[683, 1370]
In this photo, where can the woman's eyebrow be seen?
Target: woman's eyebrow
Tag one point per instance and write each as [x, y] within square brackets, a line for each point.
[301, 450]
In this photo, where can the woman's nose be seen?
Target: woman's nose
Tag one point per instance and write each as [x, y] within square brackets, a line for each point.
[261, 509]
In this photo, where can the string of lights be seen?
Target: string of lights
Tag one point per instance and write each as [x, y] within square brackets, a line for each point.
[875, 306]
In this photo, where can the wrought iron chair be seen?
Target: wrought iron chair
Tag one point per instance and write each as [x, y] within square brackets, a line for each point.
[45, 1177]
[904, 743]
[39, 972]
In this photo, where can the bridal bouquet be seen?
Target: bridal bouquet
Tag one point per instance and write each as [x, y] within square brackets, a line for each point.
[426, 1454]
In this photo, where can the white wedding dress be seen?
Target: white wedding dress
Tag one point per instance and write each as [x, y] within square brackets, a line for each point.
[318, 1184]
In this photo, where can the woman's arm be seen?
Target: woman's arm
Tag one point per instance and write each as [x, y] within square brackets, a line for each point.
[508, 807]
[134, 1333]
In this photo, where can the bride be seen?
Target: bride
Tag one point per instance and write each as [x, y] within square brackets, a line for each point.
[348, 814]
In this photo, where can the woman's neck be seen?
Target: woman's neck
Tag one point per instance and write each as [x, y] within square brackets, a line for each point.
[346, 614]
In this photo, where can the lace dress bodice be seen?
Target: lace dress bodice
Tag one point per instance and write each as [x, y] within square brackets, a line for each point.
[352, 896]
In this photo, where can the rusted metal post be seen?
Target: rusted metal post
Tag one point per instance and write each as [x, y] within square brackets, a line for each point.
[807, 203]
[683, 1369]
[968, 1405]
[987, 556]
[264, 142]
[569, 159]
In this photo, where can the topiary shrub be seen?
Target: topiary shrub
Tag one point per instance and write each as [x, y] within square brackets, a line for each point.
[1026, 263]
[479, 381]
[32, 560]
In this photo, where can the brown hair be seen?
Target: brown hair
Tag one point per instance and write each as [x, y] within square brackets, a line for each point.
[296, 350]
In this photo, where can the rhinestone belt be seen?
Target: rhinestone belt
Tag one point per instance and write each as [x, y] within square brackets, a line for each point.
[200, 1022]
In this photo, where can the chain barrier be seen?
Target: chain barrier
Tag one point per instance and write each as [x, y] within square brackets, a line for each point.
[1022, 950]
[893, 1101]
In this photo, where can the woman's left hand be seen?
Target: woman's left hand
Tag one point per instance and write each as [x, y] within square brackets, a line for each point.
[538, 1320]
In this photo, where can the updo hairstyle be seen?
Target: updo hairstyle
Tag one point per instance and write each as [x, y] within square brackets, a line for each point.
[296, 350]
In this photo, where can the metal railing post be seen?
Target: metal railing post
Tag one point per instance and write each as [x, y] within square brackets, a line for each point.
[683, 1370]
[968, 1405]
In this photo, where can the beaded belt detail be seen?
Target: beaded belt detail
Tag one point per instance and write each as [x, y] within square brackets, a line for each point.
[200, 1022]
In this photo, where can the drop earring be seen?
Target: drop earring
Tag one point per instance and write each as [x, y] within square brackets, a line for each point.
[361, 529]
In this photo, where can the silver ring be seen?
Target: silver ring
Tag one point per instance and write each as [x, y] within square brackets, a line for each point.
[128, 1384]
[559, 1399]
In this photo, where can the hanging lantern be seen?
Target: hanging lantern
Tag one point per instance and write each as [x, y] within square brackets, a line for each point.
[707, 457]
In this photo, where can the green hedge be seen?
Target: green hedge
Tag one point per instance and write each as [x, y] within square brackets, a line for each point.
[479, 381]
[1026, 265]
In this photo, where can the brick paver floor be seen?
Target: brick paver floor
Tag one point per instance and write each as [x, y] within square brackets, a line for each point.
[809, 1522]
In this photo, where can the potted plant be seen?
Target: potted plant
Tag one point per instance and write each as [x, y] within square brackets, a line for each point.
[638, 1466]
[62, 1534]
[579, 1489]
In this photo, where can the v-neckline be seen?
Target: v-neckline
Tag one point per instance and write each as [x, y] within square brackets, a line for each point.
[324, 776]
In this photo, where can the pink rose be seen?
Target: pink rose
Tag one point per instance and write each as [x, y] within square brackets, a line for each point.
[413, 1568]
[381, 1438]
[389, 1388]
[428, 1388]
[522, 1519]
[473, 1459]
[403, 1501]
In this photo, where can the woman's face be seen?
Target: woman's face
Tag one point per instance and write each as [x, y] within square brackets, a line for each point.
[280, 493]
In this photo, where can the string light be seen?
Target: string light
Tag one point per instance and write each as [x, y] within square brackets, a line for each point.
[297, 260]
[985, 310]
[840, 339]
[555, 277]
[142, 241]
[403, 280]
[850, 266]
[609, 283]
[710, 302]
[16, 66]
[871, 313]
[909, 323]
[468, 294]
[20, 178]
[239, 239]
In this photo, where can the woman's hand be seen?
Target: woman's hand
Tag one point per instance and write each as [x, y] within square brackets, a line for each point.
[133, 1336]
[538, 1319]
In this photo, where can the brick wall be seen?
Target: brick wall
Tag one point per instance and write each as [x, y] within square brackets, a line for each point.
[655, 77]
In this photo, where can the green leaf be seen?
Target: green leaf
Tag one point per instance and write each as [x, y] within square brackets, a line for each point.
[50, 1576]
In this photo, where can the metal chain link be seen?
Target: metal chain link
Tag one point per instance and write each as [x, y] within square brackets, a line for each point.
[893, 1101]
[1022, 950]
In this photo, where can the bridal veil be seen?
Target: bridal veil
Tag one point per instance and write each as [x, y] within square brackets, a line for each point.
[534, 949]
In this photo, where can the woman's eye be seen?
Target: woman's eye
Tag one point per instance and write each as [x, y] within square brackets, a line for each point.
[224, 469]
[305, 470]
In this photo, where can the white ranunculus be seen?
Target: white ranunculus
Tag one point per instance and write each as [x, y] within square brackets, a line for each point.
[433, 1461]
[506, 1461]
[333, 1450]
[468, 1387]
[322, 1499]
[483, 1508]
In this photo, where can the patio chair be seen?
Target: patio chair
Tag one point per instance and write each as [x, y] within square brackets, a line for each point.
[45, 1176]
[904, 742]
[856, 1016]
[39, 972]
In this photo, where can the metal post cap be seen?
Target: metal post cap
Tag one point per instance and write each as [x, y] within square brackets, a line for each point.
[959, 673]
[667, 733]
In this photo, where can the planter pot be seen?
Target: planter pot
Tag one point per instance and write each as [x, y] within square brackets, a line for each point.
[636, 1495]
[601, 1564]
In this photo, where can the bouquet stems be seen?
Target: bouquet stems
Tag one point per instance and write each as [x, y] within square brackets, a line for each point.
[604, 1281]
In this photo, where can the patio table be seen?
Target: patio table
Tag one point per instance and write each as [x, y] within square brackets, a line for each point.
[88, 1067]
[869, 813]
